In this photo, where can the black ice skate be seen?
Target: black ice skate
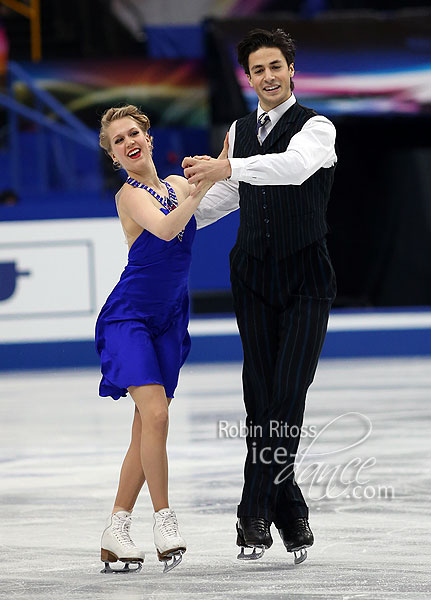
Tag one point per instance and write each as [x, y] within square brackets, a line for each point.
[296, 538]
[253, 532]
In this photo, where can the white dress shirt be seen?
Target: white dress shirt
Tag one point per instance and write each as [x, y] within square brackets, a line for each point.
[309, 150]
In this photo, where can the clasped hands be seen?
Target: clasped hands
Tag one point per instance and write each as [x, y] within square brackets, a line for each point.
[201, 170]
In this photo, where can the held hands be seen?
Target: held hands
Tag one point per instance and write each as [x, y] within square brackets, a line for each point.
[197, 192]
[204, 170]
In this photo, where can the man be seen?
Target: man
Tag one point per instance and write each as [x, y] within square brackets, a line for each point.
[279, 172]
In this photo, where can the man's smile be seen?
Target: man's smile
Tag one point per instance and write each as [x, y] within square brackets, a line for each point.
[271, 88]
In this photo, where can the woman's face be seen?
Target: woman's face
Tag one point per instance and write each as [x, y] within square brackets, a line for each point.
[129, 144]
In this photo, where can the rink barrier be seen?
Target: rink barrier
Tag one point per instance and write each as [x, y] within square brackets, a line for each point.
[353, 334]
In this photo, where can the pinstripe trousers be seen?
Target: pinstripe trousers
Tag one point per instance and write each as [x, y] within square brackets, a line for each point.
[282, 309]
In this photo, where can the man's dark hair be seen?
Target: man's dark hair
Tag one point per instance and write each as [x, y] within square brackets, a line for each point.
[262, 38]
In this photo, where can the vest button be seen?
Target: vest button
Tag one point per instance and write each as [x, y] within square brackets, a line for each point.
[263, 192]
[265, 206]
[266, 220]
[268, 235]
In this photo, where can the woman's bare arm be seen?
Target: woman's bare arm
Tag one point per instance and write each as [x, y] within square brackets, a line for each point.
[136, 204]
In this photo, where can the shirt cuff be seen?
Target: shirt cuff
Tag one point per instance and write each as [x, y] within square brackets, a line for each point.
[238, 168]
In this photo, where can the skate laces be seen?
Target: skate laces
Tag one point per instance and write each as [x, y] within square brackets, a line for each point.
[259, 523]
[301, 524]
[121, 529]
[168, 524]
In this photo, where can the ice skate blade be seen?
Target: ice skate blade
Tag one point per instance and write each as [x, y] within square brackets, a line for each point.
[175, 555]
[125, 569]
[300, 554]
[252, 555]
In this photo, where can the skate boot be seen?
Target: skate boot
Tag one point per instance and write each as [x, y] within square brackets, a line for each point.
[117, 545]
[253, 532]
[167, 539]
[297, 537]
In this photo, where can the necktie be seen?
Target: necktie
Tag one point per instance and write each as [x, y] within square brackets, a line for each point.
[260, 125]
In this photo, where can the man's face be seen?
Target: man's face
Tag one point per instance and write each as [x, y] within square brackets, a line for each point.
[270, 76]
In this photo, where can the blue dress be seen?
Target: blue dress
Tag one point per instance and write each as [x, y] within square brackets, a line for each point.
[141, 331]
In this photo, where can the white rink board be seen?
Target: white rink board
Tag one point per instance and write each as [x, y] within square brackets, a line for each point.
[68, 268]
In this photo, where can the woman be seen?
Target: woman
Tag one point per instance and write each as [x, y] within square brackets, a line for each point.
[141, 331]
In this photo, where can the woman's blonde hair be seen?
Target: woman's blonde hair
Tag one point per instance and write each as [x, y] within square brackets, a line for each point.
[112, 114]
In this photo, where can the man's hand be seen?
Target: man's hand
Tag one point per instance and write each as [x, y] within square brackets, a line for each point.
[198, 169]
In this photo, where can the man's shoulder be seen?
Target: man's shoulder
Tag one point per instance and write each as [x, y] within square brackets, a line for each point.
[301, 112]
[306, 113]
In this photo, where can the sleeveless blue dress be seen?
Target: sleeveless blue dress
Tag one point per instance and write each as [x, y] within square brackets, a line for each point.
[141, 331]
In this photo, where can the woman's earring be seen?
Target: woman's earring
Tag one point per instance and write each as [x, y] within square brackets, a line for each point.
[116, 164]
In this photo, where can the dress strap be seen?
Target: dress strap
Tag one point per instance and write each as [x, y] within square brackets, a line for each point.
[170, 202]
[171, 192]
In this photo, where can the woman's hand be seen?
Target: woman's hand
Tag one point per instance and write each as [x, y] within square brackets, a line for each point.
[198, 191]
[225, 149]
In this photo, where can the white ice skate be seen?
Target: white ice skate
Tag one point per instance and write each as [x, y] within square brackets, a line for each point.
[167, 539]
[117, 545]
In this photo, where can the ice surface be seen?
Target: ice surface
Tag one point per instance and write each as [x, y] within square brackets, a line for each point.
[61, 448]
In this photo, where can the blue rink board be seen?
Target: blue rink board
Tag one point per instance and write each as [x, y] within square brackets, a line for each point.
[223, 348]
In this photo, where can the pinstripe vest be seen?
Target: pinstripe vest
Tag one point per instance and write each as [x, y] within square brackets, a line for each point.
[280, 218]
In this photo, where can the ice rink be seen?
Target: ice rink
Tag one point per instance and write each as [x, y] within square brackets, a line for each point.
[364, 468]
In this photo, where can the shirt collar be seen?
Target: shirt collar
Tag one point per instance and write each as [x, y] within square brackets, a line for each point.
[276, 113]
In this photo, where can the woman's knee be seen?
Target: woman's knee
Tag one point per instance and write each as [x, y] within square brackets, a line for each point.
[155, 418]
[159, 417]
[151, 406]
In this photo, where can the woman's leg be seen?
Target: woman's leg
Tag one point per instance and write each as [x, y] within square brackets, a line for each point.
[132, 476]
[152, 405]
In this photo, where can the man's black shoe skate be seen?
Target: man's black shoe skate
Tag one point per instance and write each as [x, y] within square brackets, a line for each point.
[297, 537]
[253, 532]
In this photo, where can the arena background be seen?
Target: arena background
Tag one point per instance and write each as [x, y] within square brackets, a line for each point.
[61, 248]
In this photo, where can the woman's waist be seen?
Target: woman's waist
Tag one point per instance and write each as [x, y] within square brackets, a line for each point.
[154, 276]
[140, 286]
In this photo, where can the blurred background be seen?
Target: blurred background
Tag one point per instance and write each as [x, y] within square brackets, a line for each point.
[365, 65]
